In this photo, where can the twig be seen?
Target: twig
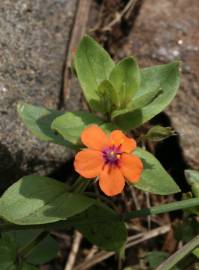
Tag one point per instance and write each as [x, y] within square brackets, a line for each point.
[148, 203]
[60, 236]
[118, 16]
[99, 19]
[150, 234]
[137, 205]
[130, 8]
[78, 30]
[132, 241]
[92, 252]
[73, 254]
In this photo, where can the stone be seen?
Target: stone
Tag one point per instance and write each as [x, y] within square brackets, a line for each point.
[34, 36]
[165, 31]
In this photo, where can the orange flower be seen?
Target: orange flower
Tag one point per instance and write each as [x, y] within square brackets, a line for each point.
[109, 158]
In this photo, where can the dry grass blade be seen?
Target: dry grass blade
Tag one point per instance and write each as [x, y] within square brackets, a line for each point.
[74, 250]
[118, 16]
[179, 254]
[78, 30]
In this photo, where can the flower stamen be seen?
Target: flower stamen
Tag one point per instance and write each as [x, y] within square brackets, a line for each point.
[112, 155]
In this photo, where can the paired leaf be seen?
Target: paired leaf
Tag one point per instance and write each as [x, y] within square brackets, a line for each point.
[38, 120]
[101, 226]
[161, 77]
[125, 78]
[93, 65]
[154, 177]
[40, 200]
[71, 124]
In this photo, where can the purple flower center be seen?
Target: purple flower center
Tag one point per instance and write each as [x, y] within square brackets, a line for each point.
[112, 154]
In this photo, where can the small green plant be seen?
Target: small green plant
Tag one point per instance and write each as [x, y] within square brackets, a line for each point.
[121, 97]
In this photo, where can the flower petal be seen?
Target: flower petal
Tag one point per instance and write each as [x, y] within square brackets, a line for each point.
[94, 137]
[131, 167]
[111, 181]
[117, 137]
[88, 163]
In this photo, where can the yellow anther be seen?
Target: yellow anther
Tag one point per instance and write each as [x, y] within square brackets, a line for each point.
[118, 156]
[112, 153]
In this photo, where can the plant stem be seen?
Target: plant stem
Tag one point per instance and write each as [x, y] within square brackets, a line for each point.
[80, 185]
[162, 208]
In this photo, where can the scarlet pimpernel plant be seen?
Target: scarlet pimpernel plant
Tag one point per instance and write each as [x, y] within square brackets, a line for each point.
[120, 97]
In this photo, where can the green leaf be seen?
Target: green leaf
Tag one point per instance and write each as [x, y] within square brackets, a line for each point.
[102, 227]
[93, 65]
[38, 120]
[7, 253]
[108, 127]
[186, 230]
[27, 266]
[71, 124]
[159, 133]
[155, 258]
[125, 78]
[138, 102]
[161, 77]
[154, 178]
[196, 252]
[192, 177]
[108, 97]
[44, 252]
[41, 253]
[22, 237]
[40, 200]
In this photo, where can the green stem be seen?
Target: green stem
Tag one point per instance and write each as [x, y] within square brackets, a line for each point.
[179, 255]
[156, 210]
[80, 185]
